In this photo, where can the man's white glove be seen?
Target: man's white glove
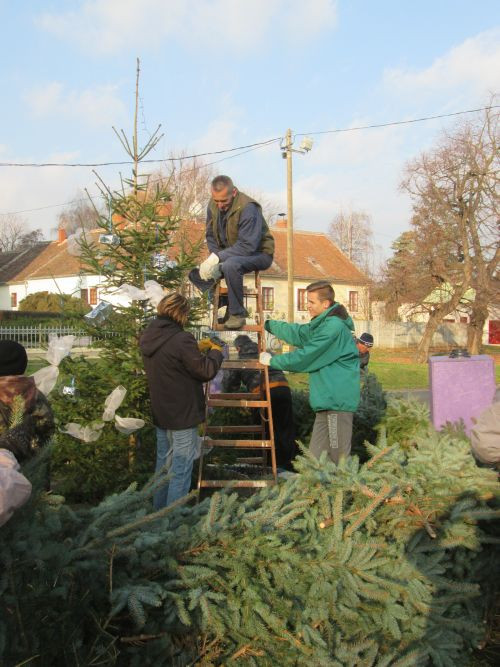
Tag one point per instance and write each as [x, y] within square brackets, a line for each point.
[265, 358]
[207, 267]
[215, 273]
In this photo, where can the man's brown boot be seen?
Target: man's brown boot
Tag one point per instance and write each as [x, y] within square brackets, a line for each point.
[235, 322]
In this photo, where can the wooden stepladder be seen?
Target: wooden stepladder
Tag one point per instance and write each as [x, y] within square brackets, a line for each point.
[263, 433]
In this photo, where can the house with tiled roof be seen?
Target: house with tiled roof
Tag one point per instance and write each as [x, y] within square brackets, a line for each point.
[12, 264]
[316, 257]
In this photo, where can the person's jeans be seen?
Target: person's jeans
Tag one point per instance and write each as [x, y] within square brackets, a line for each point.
[233, 270]
[177, 450]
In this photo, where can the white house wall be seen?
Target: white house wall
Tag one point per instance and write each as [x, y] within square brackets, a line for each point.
[280, 286]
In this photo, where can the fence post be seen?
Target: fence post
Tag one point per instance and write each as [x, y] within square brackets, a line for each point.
[39, 335]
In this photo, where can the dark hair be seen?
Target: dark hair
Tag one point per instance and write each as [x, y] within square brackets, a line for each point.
[175, 306]
[221, 183]
[242, 339]
[339, 311]
[324, 289]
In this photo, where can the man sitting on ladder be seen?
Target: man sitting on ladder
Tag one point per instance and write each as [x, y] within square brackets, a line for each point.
[239, 241]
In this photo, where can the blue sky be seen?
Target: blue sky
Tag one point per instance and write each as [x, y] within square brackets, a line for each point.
[224, 73]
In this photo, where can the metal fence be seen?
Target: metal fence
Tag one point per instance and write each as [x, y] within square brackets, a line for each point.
[386, 334]
[38, 337]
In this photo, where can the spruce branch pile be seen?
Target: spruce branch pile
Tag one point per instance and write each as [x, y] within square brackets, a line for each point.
[381, 564]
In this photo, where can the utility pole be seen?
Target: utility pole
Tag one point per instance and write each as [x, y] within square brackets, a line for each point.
[286, 153]
[289, 229]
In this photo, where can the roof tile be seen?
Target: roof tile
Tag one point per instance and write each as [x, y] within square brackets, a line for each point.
[316, 257]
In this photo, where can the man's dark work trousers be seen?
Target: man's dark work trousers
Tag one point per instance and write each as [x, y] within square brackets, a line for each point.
[233, 269]
[284, 428]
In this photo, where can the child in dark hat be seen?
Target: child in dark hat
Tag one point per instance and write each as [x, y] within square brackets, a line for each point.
[37, 422]
[364, 343]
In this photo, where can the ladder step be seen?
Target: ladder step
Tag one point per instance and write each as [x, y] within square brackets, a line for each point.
[245, 444]
[246, 428]
[242, 403]
[252, 460]
[243, 364]
[248, 396]
[246, 327]
[249, 484]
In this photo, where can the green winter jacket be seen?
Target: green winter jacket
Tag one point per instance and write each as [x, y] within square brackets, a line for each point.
[327, 351]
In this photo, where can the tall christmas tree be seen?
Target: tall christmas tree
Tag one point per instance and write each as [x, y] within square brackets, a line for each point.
[137, 249]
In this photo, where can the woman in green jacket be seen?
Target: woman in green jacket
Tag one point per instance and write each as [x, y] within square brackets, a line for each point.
[327, 351]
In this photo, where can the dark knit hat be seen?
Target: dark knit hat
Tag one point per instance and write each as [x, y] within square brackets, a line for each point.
[366, 339]
[13, 358]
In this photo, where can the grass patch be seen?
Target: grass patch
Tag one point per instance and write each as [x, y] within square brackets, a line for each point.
[35, 365]
[396, 370]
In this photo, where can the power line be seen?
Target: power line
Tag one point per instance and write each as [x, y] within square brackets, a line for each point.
[239, 148]
[98, 196]
[249, 148]
[257, 144]
[395, 122]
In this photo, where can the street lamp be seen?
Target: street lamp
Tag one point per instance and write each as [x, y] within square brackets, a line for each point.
[286, 153]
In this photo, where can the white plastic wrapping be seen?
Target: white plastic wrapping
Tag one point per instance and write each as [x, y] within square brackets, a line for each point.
[132, 292]
[89, 433]
[154, 292]
[15, 489]
[113, 402]
[46, 378]
[59, 348]
[128, 425]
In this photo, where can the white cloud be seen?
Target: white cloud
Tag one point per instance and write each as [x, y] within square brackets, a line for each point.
[306, 19]
[107, 26]
[359, 171]
[355, 147]
[94, 106]
[473, 65]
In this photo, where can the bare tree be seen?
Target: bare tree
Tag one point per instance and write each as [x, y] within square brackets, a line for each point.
[81, 214]
[455, 221]
[352, 232]
[188, 180]
[269, 206]
[14, 234]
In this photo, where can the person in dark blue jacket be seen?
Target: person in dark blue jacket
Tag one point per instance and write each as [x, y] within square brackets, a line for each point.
[239, 241]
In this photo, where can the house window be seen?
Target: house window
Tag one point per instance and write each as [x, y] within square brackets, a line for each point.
[84, 295]
[93, 296]
[268, 298]
[463, 319]
[301, 299]
[13, 300]
[353, 302]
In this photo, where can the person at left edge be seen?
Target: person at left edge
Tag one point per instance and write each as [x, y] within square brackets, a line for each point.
[176, 370]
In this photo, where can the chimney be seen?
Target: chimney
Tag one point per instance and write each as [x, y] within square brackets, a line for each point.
[282, 223]
[61, 235]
